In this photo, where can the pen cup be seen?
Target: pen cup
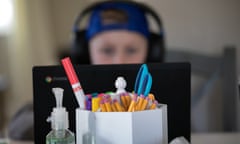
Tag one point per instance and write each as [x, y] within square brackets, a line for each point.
[141, 127]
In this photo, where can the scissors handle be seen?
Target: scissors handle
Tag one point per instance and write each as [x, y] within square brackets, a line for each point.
[143, 81]
[140, 77]
[148, 85]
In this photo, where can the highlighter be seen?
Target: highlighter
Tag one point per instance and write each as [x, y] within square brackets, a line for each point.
[101, 96]
[95, 104]
[88, 102]
[73, 79]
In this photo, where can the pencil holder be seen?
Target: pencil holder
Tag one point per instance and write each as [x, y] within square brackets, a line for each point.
[141, 127]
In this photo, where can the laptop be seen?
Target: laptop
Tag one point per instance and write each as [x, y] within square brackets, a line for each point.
[171, 86]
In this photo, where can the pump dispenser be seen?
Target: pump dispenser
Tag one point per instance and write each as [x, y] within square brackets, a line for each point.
[60, 133]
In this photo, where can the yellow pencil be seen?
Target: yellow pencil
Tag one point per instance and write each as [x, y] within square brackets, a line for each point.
[107, 105]
[151, 97]
[107, 97]
[144, 104]
[118, 106]
[139, 102]
[128, 99]
[124, 101]
[113, 107]
[102, 106]
[154, 105]
[133, 103]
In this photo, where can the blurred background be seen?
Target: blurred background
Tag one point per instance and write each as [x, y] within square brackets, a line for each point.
[35, 32]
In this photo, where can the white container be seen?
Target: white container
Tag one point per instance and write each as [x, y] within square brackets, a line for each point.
[142, 127]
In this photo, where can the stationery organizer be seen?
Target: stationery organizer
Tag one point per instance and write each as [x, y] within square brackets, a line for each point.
[119, 117]
[142, 127]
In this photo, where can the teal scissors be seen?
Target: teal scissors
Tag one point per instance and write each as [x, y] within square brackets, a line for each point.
[143, 81]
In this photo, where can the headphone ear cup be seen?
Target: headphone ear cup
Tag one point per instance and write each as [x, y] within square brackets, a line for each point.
[156, 48]
[79, 51]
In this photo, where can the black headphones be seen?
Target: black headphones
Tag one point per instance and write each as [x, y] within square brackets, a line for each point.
[80, 52]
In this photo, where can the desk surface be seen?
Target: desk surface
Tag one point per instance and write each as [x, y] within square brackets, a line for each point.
[215, 138]
[204, 138]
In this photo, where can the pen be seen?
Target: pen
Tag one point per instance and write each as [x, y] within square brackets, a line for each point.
[76, 86]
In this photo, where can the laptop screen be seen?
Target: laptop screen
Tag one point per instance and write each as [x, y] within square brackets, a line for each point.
[170, 85]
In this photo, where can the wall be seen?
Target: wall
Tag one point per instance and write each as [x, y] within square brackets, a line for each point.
[30, 43]
[201, 26]
[3, 71]
[64, 13]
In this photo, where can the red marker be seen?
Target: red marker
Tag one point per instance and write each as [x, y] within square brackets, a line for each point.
[73, 79]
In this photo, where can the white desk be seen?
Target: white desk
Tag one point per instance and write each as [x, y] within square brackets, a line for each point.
[215, 138]
[5, 141]
[204, 138]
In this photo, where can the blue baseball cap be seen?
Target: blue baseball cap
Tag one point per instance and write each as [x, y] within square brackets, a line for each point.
[135, 20]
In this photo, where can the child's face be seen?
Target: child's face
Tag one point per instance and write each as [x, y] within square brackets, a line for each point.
[118, 47]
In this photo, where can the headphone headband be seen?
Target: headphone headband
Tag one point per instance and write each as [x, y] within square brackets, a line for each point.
[156, 43]
[143, 7]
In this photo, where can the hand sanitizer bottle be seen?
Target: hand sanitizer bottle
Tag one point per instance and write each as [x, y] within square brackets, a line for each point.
[59, 122]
